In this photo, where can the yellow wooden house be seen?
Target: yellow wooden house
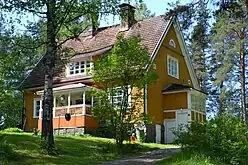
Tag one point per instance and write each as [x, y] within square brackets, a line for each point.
[176, 98]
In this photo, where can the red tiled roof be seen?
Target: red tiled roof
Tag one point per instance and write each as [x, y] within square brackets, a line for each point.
[150, 30]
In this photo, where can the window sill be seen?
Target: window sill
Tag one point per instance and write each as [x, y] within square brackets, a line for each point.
[79, 75]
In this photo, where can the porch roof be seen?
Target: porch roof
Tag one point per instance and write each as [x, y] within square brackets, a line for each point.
[179, 88]
[68, 88]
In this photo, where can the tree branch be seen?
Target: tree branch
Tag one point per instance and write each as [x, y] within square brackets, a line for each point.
[72, 37]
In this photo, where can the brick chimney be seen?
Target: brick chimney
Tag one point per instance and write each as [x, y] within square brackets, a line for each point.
[127, 15]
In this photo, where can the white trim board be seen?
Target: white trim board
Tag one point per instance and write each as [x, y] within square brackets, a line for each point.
[155, 51]
[174, 110]
[186, 54]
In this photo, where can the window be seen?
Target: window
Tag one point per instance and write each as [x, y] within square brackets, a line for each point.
[172, 43]
[37, 103]
[117, 96]
[80, 68]
[173, 68]
[198, 103]
[62, 100]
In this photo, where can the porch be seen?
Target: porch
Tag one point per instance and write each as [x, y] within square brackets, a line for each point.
[75, 99]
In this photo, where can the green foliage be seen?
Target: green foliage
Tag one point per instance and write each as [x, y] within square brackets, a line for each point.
[45, 149]
[124, 68]
[189, 158]
[6, 151]
[13, 130]
[223, 138]
[72, 150]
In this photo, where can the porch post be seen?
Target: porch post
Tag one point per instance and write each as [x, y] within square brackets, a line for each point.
[84, 108]
[69, 102]
[54, 105]
[92, 101]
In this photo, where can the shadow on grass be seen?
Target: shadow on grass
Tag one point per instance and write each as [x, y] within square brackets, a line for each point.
[72, 150]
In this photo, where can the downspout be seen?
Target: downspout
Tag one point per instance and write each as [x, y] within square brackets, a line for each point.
[23, 112]
[145, 99]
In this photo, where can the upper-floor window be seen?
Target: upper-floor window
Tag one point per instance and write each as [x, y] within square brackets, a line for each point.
[173, 67]
[80, 68]
[37, 107]
[172, 43]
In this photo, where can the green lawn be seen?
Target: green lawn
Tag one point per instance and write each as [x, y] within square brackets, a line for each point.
[72, 150]
[185, 158]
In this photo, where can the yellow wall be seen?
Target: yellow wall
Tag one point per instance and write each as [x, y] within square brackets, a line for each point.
[156, 100]
[169, 115]
[175, 101]
[31, 122]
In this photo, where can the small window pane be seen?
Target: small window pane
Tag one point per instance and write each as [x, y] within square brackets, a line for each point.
[173, 67]
[172, 43]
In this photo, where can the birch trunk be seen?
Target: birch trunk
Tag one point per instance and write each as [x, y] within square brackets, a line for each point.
[47, 120]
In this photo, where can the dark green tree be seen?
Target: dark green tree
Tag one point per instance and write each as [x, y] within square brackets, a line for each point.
[229, 45]
[123, 68]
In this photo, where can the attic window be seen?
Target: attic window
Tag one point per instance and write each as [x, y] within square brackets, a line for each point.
[80, 68]
[172, 43]
[173, 67]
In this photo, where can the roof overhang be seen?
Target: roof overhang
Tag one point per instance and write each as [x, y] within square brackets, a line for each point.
[69, 88]
[184, 90]
[90, 54]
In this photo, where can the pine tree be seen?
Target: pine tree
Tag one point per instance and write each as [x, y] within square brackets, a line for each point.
[199, 43]
[142, 12]
[229, 40]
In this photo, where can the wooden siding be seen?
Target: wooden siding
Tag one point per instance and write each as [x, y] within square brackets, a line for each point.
[31, 122]
[169, 115]
[157, 102]
[175, 101]
[76, 121]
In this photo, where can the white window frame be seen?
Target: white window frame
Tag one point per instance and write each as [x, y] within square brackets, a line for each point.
[82, 65]
[35, 107]
[172, 43]
[116, 96]
[168, 66]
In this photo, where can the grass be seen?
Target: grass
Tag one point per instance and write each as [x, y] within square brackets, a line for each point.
[72, 149]
[186, 158]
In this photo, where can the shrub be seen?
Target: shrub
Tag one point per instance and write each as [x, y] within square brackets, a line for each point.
[223, 138]
[6, 151]
[14, 130]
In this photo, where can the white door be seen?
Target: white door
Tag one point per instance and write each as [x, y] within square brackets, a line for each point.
[170, 125]
[182, 119]
[158, 133]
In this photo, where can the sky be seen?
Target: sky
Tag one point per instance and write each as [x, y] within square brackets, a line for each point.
[155, 6]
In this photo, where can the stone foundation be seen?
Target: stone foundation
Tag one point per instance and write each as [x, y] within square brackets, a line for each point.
[70, 131]
[74, 131]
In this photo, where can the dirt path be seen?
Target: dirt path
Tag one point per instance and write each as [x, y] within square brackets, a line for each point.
[147, 158]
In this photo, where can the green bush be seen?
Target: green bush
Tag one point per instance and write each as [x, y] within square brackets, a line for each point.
[6, 151]
[14, 130]
[223, 138]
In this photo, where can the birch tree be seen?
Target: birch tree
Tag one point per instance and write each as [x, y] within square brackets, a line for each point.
[58, 15]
